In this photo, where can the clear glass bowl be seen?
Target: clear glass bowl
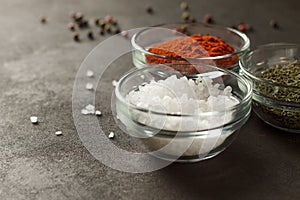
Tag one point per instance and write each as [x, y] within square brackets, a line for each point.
[272, 102]
[148, 37]
[183, 137]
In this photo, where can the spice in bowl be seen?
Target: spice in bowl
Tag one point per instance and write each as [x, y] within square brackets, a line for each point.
[182, 96]
[274, 70]
[194, 46]
[287, 75]
[189, 43]
[194, 117]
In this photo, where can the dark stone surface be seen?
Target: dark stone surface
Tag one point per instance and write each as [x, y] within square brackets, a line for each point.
[38, 64]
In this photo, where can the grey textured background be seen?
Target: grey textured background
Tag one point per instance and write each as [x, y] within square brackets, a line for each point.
[38, 64]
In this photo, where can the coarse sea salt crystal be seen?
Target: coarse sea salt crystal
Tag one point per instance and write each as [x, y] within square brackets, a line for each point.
[98, 113]
[58, 133]
[89, 73]
[34, 119]
[111, 135]
[114, 83]
[89, 86]
[84, 112]
[88, 110]
[90, 107]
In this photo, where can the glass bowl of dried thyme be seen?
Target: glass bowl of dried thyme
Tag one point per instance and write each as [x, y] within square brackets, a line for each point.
[274, 70]
[189, 43]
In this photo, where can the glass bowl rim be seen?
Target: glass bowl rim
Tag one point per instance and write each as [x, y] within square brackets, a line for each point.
[243, 36]
[242, 102]
[265, 47]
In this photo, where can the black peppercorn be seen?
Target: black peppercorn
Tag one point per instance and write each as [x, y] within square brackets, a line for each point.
[193, 20]
[208, 19]
[83, 24]
[149, 10]
[76, 37]
[117, 31]
[274, 24]
[96, 21]
[90, 35]
[101, 32]
[43, 19]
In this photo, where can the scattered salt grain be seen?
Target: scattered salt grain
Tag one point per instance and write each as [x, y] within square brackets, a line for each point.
[34, 119]
[114, 83]
[89, 73]
[58, 133]
[98, 113]
[84, 112]
[88, 110]
[111, 135]
[89, 86]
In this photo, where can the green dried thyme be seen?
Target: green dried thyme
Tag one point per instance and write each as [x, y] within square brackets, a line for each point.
[288, 76]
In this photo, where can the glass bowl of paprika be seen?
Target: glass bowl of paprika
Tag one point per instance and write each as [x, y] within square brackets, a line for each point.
[274, 71]
[179, 117]
[189, 42]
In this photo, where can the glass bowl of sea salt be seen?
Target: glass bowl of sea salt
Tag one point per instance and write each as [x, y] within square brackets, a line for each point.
[179, 117]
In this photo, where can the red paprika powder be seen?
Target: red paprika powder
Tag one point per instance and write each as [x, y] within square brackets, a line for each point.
[195, 46]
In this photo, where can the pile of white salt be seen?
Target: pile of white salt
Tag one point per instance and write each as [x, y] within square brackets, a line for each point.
[182, 96]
